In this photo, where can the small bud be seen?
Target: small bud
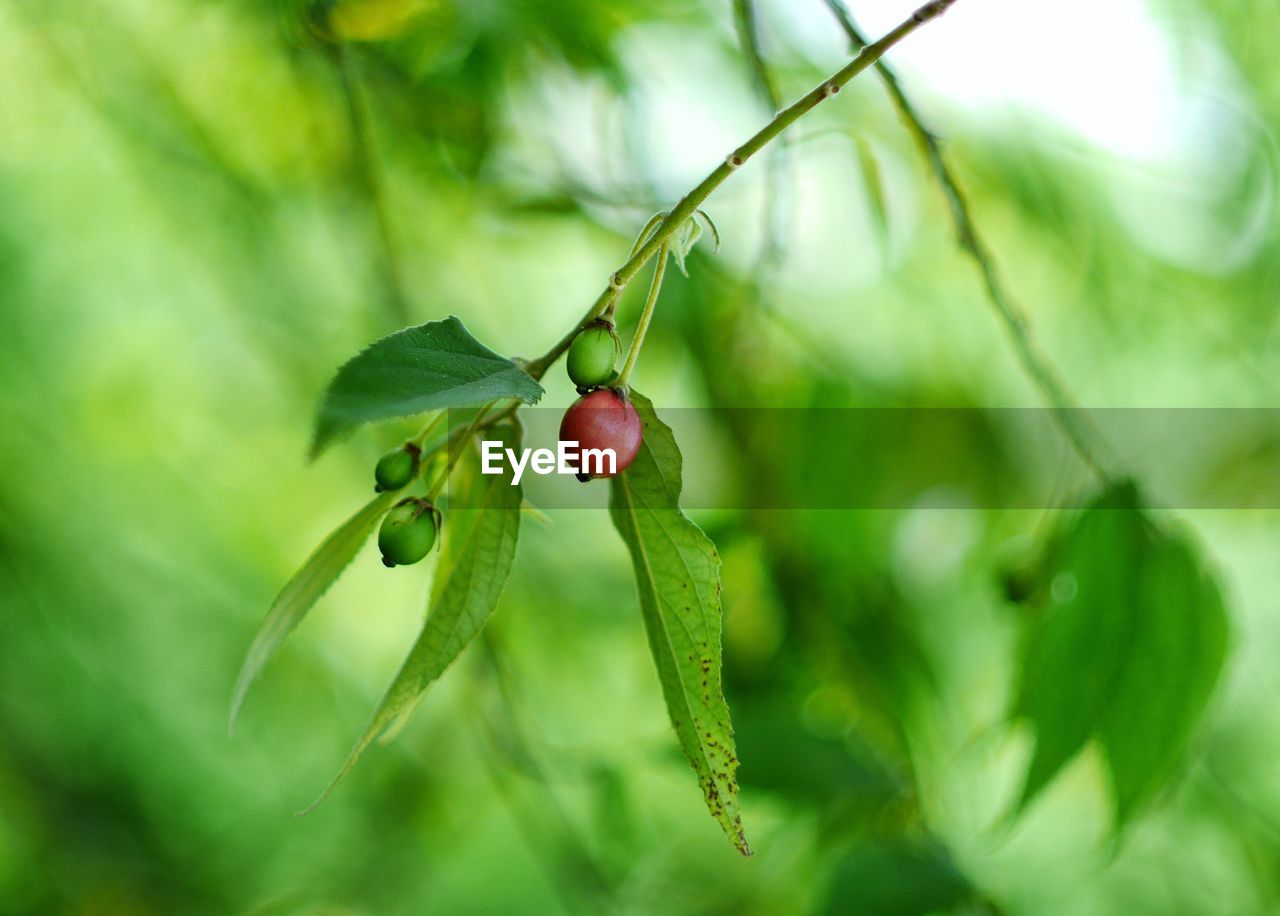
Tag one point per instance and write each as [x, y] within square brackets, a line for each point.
[396, 470]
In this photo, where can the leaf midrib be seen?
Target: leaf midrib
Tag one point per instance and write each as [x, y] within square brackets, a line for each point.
[470, 570]
[684, 693]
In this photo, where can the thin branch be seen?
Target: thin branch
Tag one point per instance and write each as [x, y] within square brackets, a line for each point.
[1082, 437]
[735, 160]
[363, 158]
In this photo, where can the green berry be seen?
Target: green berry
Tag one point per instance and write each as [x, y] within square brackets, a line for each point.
[592, 355]
[395, 470]
[408, 531]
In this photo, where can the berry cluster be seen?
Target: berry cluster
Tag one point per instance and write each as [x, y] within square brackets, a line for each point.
[603, 417]
[409, 529]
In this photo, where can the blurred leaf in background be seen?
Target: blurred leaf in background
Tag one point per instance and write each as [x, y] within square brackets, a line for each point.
[205, 210]
[1127, 650]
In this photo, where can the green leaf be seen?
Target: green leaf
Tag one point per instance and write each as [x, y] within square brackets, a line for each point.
[431, 366]
[1160, 694]
[302, 591]
[1127, 653]
[678, 575]
[647, 232]
[480, 533]
[686, 237]
[711, 227]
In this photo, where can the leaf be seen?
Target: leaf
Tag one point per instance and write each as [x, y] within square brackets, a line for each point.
[686, 238]
[1161, 693]
[434, 365]
[320, 571]
[647, 232]
[480, 533]
[711, 227]
[678, 576]
[1127, 654]
[688, 235]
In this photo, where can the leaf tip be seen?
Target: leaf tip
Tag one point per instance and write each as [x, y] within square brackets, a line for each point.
[244, 680]
[346, 768]
[321, 437]
[303, 812]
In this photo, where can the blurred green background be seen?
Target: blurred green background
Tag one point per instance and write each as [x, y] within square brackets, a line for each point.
[205, 208]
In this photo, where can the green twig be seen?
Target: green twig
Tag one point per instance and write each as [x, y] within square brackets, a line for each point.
[1082, 437]
[735, 160]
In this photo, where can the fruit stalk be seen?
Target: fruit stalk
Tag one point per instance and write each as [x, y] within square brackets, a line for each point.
[637, 341]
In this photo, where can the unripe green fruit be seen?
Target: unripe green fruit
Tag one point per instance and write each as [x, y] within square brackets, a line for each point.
[592, 355]
[396, 469]
[408, 531]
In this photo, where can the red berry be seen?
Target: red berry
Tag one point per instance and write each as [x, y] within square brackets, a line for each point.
[603, 419]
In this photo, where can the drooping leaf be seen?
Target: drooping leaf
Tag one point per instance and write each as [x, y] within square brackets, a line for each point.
[686, 237]
[302, 591]
[678, 575]
[1159, 695]
[1072, 655]
[434, 365]
[1127, 652]
[647, 232]
[711, 227]
[480, 533]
